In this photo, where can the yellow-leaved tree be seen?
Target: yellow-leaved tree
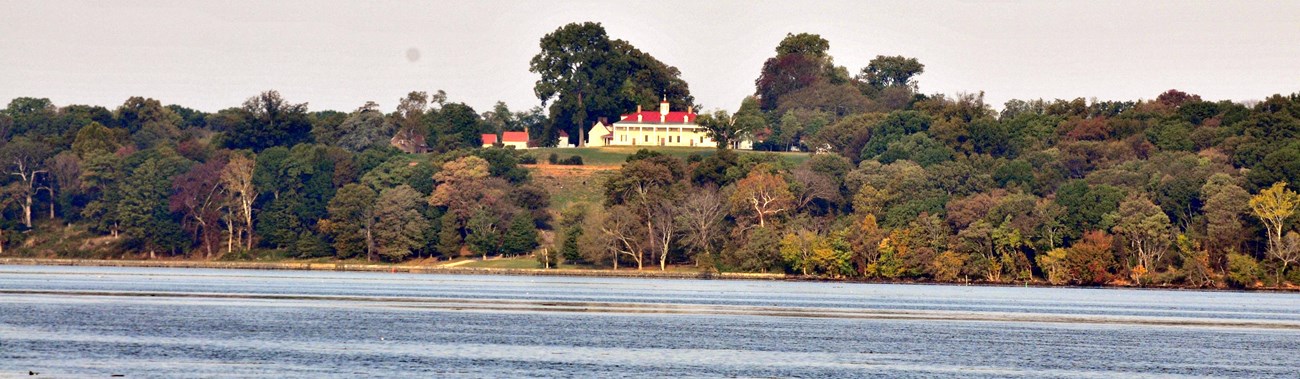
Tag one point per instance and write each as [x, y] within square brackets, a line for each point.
[1273, 206]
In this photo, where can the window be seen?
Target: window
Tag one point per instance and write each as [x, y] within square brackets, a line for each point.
[647, 138]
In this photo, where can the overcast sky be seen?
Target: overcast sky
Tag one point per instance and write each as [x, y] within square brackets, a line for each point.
[337, 55]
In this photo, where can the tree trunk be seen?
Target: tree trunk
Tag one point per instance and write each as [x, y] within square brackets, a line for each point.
[370, 245]
[582, 127]
[248, 223]
[27, 212]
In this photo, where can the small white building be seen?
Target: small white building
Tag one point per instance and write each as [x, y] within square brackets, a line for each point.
[649, 128]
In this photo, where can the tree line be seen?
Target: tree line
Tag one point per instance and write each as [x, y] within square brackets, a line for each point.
[271, 176]
[900, 185]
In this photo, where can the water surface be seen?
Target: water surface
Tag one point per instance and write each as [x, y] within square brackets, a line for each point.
[147, 322]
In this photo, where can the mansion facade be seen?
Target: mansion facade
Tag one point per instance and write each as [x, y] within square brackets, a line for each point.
[650, 128]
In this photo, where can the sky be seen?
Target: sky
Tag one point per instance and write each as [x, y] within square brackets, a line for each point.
[211, 55]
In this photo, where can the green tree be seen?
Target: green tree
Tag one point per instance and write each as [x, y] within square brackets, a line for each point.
[450, 239]
[1148, 232]
[585, 77]
[895, 71]
[268, 120]
[728, 130]
[143, 209]
[352, 220]
[96, 139]
[364, 128]
[521, 236]
[1225, 205]
[483, 234]
[399, 226]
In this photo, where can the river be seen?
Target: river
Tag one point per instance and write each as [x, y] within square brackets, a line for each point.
[157, 322]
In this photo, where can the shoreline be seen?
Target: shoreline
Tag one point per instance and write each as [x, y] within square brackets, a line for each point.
[370, 267]
[594, 273]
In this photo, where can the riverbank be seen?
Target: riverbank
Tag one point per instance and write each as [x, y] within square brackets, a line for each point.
[370, 267]
[455, 269]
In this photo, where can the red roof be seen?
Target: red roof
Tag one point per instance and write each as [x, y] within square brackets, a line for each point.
[489, 139]
[652, 117]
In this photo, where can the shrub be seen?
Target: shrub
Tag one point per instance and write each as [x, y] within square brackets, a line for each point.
[553, 158]
[1243, 270]
[573, 161]
[528, 159]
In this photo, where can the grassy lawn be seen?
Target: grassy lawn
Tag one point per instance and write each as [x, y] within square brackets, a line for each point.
[616, 155]
[514, 262]
[571, 186]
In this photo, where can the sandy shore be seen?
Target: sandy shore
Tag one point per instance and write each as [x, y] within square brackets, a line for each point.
[422, 269]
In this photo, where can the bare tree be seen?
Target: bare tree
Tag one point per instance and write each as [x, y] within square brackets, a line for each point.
[700, 220]
[623, 230]
[237, 180]
[808, 186]
[664, 218]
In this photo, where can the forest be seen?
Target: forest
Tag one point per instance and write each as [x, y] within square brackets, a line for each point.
[898, 185]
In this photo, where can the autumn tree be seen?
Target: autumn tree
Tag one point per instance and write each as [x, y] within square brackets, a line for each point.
[1273, 206]
[761, 196]
[799, 249]
[625, 235]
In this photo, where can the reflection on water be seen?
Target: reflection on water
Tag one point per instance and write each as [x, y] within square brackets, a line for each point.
[76, 321]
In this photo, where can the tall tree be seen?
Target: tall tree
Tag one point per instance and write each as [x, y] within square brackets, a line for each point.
[1147, 230]
[197, 195]
[895, 71]
[237, 180]
[1273, 206]
[143, 209]
[587, 77]
[268, 120]
[700, 219]
[25, 159]
[521, 236]
[400, 225]
[364, 128]
[352, 221]
[728, 130]
[762, 196]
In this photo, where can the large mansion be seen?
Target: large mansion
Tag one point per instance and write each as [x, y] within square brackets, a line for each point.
[650, 128]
